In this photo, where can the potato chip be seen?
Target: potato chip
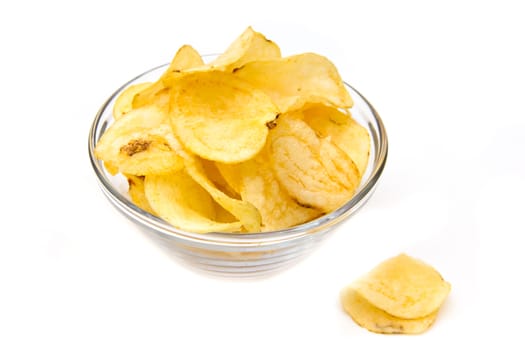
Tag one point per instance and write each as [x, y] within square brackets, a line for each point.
[123, 103]
[249, 46]
[231, 175]
[313, 171]
[111, 168]
[136, 192]
[185, 58]
[220, 117]
[343, 130]
[222, 215]
[214, 174]
[161, 100]
[295, 80]
[260, 187]
[182, 202]
[376, 320]
[404, 287]
[244, 211]
[141, 143]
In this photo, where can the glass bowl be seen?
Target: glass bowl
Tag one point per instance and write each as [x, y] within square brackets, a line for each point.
[240, 254]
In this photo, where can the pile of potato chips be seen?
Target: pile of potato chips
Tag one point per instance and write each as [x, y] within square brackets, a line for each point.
[249, 142]
[401, 295]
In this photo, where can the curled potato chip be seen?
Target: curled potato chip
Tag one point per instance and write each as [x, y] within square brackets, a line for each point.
[186, 58]
[141, 143]
[231, 175]
[296, 80]
[215, 175]
[124, 101]
[111, 168]
[313, 171]
[249, 46]
[404, 287]
[182, 202]
[220, 117]
[136, 192]
[343, 130]
[376, 320]
[260, 187]
[223, 215]
[244, 211]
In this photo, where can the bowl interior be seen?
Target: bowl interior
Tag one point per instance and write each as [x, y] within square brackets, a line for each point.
[115, 187]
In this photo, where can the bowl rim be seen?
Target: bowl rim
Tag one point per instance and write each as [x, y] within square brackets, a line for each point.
[237, 239]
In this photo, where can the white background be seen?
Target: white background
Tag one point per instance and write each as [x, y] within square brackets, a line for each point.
[447, 77]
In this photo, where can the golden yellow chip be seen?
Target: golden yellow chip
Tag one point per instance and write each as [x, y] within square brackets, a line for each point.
[343, 130]
[222, 215]
[231, 175]
[296, 80]
[220, 117]
[136, 192]
[260, 187]
[123, 103]
[214, 174]
[313, 171]
[111, 168]
[404, 287]
[376, 320]
[249, 46]
[142, 143]
[186, 58]
[244, 211]
[256, 182]
[182, 202]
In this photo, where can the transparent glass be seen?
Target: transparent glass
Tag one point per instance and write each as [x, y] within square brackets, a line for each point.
[240, 254]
